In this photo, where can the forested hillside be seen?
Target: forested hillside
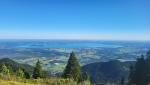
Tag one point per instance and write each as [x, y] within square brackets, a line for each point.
[13, 66]
[12, 73]
[111, 71]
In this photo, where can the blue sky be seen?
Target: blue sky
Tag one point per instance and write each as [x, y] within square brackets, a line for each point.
[75, 19]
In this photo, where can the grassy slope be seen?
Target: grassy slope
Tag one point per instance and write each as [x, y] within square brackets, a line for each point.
[48, 81]
[3, 82]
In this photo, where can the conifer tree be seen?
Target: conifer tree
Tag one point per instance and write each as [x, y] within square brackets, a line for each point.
[138, 73]
[26, 75]
[37, 73]
[73, 69]
[131, 75]
[5, 70]
[20, 73]
[148, 67]
[148, 54]
[122, 81]
[85, 76]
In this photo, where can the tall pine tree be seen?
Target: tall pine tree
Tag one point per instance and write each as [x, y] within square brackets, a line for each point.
[26, 74]
[122, 81]
[138, 73]
[37, 73]
[131, 75]
[20, 73]
[5, 70]
[73, 69]
[148, 68]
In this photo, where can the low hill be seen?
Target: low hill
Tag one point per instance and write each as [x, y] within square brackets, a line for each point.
[111, 71]
[13, 66]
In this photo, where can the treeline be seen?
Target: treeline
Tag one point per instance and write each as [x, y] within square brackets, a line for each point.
[72, 71]
[21, 72]
[140, 72]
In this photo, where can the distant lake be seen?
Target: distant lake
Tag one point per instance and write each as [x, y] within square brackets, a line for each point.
[62, 43]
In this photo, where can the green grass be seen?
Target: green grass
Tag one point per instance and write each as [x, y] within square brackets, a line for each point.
[12, 80]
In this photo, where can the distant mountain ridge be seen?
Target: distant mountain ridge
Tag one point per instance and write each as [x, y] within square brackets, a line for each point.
[111, 71]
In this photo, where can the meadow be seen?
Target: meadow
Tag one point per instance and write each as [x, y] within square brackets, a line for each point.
[13, 80]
